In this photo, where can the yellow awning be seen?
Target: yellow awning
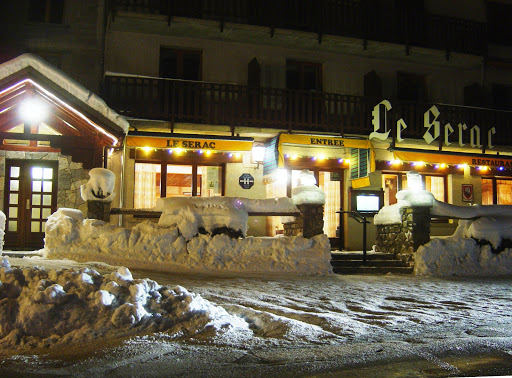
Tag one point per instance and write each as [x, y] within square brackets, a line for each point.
[189, 143]
[491, 161]
[324, 141]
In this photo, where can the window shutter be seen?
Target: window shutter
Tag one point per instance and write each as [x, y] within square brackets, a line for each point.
[359, 163]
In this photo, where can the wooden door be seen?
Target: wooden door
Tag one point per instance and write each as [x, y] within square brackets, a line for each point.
[30, 197]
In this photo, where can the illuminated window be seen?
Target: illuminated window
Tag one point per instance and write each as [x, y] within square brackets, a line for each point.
[487, 195]
[435, 185]
[155, 180]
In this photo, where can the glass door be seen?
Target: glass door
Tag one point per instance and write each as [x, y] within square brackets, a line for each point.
[30, 198]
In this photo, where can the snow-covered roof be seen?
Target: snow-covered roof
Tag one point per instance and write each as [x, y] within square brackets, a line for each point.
[60, 79]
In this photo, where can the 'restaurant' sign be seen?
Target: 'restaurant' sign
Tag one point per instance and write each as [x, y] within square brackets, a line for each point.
[434, 131]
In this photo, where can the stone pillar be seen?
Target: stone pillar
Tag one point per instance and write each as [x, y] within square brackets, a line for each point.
[420, 226]
[310, 222]
[405, 238]
[98, 210]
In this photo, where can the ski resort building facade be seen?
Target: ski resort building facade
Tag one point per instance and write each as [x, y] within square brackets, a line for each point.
[235, 98]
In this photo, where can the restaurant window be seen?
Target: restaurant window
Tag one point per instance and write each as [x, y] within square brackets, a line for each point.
[156, 180]
[497, 191]
[432, 183]
[46, 11]
[180, 64]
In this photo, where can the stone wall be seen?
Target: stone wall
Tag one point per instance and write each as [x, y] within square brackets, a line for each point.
[71, 177]
[309, 223]
[404, 239]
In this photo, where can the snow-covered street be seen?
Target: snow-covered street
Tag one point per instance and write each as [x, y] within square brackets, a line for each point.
[315, 325]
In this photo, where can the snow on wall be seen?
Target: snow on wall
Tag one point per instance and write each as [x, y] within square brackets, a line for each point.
[147, 245]
[454, 256]
[43, 309]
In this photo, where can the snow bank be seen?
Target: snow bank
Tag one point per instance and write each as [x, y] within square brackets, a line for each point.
[151, 246]
[456, 256]
[42, 309]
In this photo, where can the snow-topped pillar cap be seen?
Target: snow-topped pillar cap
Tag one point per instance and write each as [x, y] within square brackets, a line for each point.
[100, 186]
[307, 193]
[414, 181]
[415, 195]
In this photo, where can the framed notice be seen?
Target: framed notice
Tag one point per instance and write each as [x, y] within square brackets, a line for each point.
[467, 192]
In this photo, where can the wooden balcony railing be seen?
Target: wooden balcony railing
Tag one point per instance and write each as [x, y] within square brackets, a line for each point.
[363, 19]
[284, 109]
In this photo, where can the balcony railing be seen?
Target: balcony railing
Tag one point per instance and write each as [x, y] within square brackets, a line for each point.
[363, 19]
[284, 109]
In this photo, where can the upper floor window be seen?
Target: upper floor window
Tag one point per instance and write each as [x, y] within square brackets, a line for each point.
[180, 64]
[46, 11]
[410, 87]
[303, 75]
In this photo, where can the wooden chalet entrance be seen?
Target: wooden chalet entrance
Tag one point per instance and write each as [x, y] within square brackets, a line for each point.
[43, 111]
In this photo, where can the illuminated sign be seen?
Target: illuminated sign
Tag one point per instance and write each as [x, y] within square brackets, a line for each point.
[433, 126]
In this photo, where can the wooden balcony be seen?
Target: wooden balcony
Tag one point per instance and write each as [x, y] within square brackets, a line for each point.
[364, 19]
[283, 109]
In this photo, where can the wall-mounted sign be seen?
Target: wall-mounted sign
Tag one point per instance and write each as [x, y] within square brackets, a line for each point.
[433, 127]
[467, 192]
[246, 181]
[189, 143]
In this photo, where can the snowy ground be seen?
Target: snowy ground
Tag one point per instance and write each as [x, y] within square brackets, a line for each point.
[315, 325]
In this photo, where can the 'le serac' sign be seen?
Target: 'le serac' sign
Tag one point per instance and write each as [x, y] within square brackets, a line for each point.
[432, 125]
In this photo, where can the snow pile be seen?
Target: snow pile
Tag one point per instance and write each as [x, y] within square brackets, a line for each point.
[100, 186]
[492, 229]
[461, 257]
[2, 230]
[193, 214]
[477, 248]
[41, 309]
[190, 215]
[151, 246]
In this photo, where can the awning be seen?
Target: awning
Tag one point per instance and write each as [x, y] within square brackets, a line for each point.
[323, 141]
[492, 161]
[189, 142]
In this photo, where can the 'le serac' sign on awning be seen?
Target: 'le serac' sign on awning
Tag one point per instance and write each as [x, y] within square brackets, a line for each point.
[189, 142]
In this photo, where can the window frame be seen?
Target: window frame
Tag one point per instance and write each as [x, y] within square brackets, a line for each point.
[494, 186]
[194, 165]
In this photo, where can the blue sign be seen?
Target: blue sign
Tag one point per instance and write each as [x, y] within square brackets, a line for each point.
[246, 181]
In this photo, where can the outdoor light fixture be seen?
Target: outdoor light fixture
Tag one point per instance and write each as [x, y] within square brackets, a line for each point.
[258, 153]
[33, 110]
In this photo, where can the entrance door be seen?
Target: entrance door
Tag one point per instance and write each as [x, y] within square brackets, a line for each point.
[30, 198]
